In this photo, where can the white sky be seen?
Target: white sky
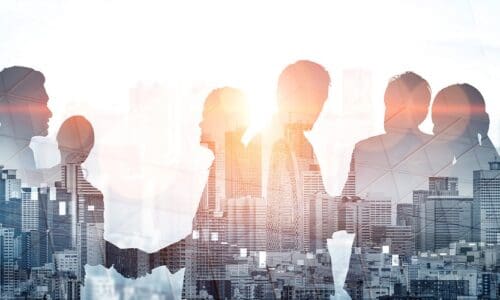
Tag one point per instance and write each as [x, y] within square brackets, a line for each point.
[93, 53]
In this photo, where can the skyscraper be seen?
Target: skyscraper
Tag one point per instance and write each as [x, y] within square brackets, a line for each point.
[284, 216]
[349, 189]
[359, 216]
[399, 238]
[35, 222]
[246, 223]
[405, 214]
[59, 220]
[295, 178]
[10, 200]
[443, 186]
[323, 219]
[419, 197]
[486, 215]
[85, 210]
[312, 184]
[7, 279]
[446, 216]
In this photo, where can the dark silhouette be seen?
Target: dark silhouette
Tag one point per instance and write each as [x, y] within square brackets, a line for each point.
[395, 163]
[23, 115]
[461, 143]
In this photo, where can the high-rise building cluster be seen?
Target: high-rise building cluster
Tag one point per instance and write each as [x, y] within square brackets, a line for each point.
[246, 246]
[47, 235]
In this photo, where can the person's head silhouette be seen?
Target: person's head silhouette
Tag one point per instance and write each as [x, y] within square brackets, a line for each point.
[459, 109]
[75, 139]
[302, 91]
[23, 104]
[225, 110]
[407, 98]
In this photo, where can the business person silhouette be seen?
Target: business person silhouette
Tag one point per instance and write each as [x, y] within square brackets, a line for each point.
[23, 114]
[461, 144]
[225, 120]
[302, 92]
[75, 140]
[294, 173]
[395, 163]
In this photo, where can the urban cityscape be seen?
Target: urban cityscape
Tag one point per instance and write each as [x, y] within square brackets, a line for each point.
[421, 212]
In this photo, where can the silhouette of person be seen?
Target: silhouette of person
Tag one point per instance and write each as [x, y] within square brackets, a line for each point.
[23, 114]
[461, 144]
[294, 173]
[301, 94]
[75, 140]
[224, 115]
[225, 120]
[395, 163]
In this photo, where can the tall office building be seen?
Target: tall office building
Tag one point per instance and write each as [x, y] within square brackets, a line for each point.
[398, 238]
[349, 189]
[486, 211]
[66, 261]
[86, 214]
[7, 279]
[210, 245]
[380, 208]
[73, 180]
[354, 217]
[30, 209]
[359, 216]
[405, 214]
[10, 185]
[295, 178]
[447, 219]
[59, 220]
[312, 184]
[284, 216]
[209, 230]
[438, 186]
[419, 197]
[323, 219]
[35, 222]
[10, 200]
[95, 244]
[443, 186]
[443, 217]
[246, 223]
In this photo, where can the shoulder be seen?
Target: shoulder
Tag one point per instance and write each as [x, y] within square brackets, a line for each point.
[370, 142]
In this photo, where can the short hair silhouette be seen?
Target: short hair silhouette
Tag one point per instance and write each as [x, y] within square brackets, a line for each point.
[23, 103]
[302, 91]
[461, 107]
[225, 109]
[75, 139]
[407, 98]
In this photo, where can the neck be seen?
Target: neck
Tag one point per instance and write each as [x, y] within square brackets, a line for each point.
[15, 153]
